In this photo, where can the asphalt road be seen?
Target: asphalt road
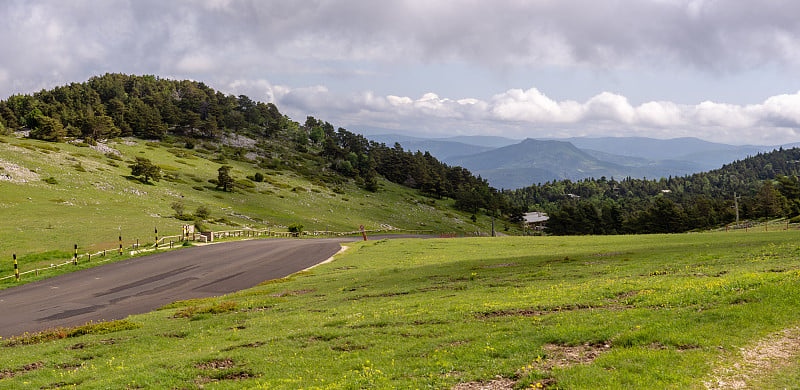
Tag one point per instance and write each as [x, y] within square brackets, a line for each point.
[138, 285]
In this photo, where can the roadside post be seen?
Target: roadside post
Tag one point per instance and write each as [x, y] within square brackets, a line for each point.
[363, 232]
[75, 256]
[156, 228]
[16, 268]
[120, 243]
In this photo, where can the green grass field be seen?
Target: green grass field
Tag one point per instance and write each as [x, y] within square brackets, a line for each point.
[614, 312]
[62, 194]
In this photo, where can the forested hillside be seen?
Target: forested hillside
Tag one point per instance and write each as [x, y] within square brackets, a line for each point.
[192, 115]
[767, 185]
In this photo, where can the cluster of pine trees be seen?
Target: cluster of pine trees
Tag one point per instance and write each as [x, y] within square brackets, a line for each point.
[148, 107]
[141, 106]
[766, 186]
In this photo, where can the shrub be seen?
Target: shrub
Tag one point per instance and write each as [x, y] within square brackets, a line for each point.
[202, 212]
[296, 227]
[201, 227]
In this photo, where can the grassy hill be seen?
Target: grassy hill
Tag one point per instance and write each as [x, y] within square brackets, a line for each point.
[58, 195]
[59, 187]
[611, 312]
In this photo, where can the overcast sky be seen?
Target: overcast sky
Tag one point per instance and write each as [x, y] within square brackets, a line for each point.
[726, 71]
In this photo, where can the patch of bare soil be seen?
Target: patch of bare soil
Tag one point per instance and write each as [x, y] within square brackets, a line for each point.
[28, 367]
[767, 355]
[557, 356]
[606, 254]
[220, 370]
[497, 384]
[542, 311]
[249, 345]
[215, 364]
[560, 356]
[291, 293]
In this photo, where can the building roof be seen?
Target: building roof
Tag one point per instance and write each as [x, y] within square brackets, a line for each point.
[535, 217]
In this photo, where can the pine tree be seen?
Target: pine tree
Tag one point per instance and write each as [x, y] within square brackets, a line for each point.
[224, 178]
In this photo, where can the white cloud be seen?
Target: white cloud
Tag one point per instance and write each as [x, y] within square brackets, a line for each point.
[195, 63]
[533, 106]
[531, 113]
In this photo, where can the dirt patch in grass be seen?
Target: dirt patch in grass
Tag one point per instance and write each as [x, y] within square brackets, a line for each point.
[384, 295]
[628, 294]
[769, 354]
[217, 364]
[248, 345]
[176, 335]
[682, 347]
[437, 288]
[563, 356]
[497, 384]
[26, 368]
[221, 369]
[542, 311]
[566, 356]
[235, 375]
[606, 254]
[60, 385]
[348, 346]
[192, 311]
[556, 356]
[256, 309]
[291, 293]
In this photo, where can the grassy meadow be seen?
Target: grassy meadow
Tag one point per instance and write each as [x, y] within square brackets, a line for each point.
[61, 194]
[611, 312]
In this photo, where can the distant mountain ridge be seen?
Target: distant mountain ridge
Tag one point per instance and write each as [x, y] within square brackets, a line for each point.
[445, 148]
[536, 161]
[705, 155]
[516, 164]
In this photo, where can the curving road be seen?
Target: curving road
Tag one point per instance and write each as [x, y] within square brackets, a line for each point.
[114, 291]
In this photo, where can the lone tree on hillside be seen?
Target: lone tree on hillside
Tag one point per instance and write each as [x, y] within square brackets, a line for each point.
[224, 179]
[145, 168]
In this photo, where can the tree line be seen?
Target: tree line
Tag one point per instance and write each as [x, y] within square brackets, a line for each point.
[766, 186]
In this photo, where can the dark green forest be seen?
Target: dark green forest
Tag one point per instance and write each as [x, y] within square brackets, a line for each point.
[766, 186]
[189, 113]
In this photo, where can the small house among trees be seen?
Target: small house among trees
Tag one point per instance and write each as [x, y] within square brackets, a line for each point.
[535, 221]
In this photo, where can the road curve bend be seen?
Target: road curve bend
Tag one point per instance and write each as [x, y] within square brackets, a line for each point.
[138, 285]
